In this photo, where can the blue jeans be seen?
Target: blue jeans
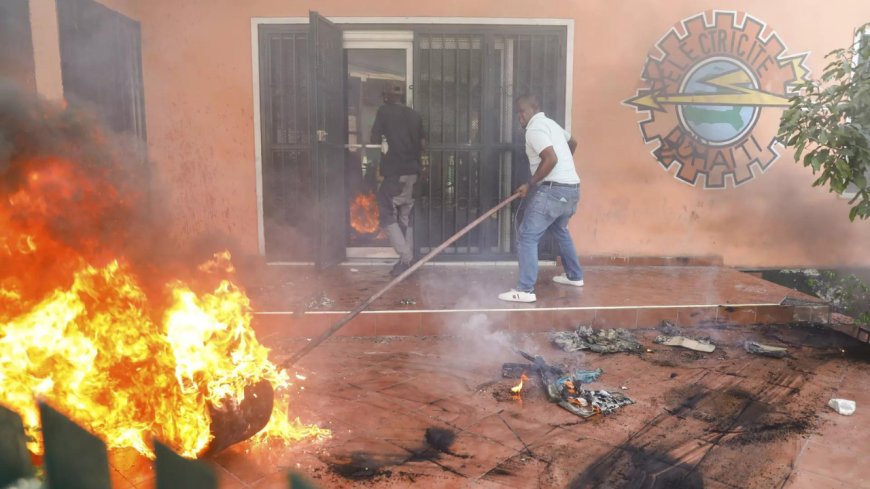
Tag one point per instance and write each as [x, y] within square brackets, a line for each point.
[548, 208]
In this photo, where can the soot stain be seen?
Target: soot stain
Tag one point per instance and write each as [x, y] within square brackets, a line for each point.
[362, 465]
[738, 418]
[629, 467]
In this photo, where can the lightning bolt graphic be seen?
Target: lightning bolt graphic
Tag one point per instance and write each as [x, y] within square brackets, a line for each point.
[733, 81]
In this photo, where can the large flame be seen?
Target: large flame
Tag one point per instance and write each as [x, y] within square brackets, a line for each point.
[79, 331]
[364, 213]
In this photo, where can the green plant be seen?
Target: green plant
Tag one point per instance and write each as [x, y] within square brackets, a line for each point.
[828, 123]
[848, 294]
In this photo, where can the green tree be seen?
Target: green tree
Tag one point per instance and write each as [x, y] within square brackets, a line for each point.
[828, 123]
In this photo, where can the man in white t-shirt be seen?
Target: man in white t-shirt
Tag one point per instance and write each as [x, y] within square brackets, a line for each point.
[550, 199]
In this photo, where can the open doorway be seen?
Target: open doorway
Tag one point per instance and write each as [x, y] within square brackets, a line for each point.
[374, 60]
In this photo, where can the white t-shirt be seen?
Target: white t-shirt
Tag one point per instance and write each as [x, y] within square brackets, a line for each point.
[541, 133]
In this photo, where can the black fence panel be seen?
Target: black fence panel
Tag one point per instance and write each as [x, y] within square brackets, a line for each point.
[465, 83]
[289, 189]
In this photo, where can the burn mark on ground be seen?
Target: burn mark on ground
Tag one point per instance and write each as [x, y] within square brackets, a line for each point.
[441, 440]
[819, 340]
[673, 449]
[516, 466]
[634, 468]
[364, 466]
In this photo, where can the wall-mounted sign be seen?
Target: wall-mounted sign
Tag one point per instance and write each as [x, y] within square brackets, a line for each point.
[705, 90]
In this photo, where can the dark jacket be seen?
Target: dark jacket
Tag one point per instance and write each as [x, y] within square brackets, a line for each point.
[403, 128]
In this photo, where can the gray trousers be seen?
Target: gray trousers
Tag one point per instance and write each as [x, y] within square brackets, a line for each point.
[396, 206]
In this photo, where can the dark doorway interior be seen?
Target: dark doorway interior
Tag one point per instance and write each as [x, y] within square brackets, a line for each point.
[16, 44]
[101, 62]
[368, 73]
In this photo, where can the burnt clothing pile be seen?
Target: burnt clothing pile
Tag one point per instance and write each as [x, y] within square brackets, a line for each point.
[673, 336]
[565, 388]
[588, 403]
[596, 340]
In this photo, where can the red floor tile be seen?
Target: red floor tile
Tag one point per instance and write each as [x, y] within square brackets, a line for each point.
[774, 314]
[691, 317]
[652, 317]
[379, 395]
[804, 479]
[615, 318]
[737, 315]
[837, 462]
[442, 295]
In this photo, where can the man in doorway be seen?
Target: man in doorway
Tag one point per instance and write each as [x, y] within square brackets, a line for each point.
[550, 199]
[399, 130]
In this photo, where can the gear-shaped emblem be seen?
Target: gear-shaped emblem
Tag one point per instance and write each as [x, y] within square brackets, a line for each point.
[715, 88]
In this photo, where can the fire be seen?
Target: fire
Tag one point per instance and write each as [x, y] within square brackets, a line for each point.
[93, 351]
[518, 389]
[364, 215]
[82, 329]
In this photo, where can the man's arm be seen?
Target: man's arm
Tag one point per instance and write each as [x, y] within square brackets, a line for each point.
[572, 144]
[548, 162]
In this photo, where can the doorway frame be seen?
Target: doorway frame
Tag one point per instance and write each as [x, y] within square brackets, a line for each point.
[381, 39]
[386, 40]
[256, 22]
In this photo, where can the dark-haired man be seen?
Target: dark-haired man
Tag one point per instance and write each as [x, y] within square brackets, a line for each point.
[400, 131]
[551, 198]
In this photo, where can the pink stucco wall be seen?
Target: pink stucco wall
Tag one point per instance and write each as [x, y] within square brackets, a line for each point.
[199, 98]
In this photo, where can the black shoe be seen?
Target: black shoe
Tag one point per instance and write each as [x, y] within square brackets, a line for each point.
[399, 268]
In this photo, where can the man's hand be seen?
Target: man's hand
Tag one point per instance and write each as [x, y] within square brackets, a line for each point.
[523, 190]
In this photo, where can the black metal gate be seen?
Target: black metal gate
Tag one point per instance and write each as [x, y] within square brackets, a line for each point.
[329, 116]
[465, 82]
[289, 190]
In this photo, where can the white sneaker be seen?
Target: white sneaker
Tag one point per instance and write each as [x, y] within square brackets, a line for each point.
[517, 296]
[564, 280]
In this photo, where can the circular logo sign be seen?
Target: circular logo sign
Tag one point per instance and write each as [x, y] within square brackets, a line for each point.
[706, 88]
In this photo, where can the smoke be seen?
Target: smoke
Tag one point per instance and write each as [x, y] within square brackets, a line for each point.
[474, 341]
[60, 190]
[478, 341]
[74, 193]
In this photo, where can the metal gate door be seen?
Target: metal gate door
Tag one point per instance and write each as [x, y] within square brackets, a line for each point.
[289, 188]
[302, 135]
[465, 82]
[328, 115]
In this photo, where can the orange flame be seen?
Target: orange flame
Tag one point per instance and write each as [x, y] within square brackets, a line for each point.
[518, 389]
[364, 215]
[78, 330]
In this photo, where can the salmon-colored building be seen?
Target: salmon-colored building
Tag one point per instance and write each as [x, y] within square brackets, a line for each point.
[257, 117]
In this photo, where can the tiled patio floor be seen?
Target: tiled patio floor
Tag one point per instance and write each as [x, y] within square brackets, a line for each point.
[722, 420]
[297, 301]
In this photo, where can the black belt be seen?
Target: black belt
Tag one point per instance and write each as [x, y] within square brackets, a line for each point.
[557, 184]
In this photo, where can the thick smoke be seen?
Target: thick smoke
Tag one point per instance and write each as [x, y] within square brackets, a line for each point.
[74, 193]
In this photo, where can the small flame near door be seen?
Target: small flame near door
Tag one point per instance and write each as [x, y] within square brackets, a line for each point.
[364, 213]
[365, 219]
